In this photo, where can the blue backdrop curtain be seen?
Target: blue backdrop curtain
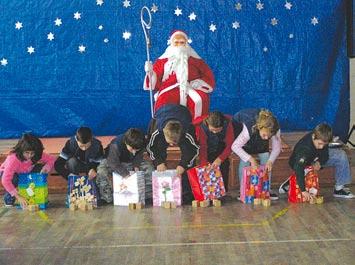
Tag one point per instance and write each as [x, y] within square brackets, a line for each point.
[71, 63]
[351, 28]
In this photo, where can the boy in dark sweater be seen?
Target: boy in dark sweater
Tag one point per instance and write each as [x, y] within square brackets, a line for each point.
[313, 150]
[174, 128]
[124, 154]
[81, 154]
[215, 135]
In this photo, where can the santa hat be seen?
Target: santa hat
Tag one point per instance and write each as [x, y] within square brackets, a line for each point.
[177, 32]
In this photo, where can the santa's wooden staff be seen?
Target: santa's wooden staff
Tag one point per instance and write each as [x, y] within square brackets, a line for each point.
[146, 27]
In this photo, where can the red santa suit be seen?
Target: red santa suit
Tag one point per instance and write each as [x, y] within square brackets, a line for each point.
[186, 80]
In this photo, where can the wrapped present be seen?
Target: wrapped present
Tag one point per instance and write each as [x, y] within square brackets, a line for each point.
[255, 184]
[206, 183]
[311, 185]
[81, 192]
[34, 187]
[128, 190]
[166, 187]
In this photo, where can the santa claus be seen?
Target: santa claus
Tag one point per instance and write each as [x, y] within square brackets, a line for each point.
[180, 76]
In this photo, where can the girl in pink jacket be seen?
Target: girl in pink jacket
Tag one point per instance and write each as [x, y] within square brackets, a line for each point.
[26, 156]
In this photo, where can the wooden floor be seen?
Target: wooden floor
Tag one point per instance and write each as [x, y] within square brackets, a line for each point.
[233, 234]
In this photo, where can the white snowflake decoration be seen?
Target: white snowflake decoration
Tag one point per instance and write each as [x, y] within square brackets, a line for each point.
[30, 49]
[236, 25]
[18, 25]
[126, 35]
[178, 11]
[192, 16]
[213, 27]
[3, 62]
[314, 21]
[154, 8]
[58, 22]
[81, 48]
[126, 3]
[50, 36]
[77, 15]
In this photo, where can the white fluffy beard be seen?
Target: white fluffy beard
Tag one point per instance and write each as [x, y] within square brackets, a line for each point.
[177, 62]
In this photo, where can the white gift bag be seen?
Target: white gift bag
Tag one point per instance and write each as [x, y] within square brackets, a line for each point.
[128, 190]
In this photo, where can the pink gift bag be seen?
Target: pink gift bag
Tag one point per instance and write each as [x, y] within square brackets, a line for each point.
[255, 184]
[166, 187]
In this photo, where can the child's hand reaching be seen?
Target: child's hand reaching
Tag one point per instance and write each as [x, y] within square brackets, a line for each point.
[217, 162]
[268, 166]
[306, 196]
[180, 170]
[316, 166]
[253, 162]
[22, 201]
[92, 174]
[161, 167]
[44, 170]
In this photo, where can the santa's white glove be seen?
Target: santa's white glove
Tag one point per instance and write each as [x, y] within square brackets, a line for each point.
[148, 67]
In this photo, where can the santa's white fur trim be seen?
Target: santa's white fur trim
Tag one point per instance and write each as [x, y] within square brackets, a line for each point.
[169, 52]
[178, 32]
[199, 84]
[147, 85]
[196, 98]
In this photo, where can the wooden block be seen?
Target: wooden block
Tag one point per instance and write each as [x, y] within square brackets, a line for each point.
[312, 200]
[33, 208]
[257, 201]
[73, 207]
[216, 203]
[195, 204]
[319, 199]
[132, 206]
[83, 206]
[166, 205]
[139, 205]
[266, 202]
[204, 204]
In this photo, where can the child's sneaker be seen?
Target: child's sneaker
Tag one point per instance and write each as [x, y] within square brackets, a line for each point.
[273, 196]
[284, 186]
[342, 193]
[9, 201]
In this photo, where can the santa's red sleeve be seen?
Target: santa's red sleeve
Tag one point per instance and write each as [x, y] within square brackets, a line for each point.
[158, 72]
[206, 81]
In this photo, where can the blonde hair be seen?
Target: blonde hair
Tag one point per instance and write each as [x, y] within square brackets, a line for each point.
[173, 131]
[266, 120]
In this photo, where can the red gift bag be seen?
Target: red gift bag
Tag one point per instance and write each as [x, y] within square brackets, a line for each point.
[206, 183]
[311, 184]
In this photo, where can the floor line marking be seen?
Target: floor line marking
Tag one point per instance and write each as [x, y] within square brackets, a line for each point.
[45, 217]
[255, 242]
